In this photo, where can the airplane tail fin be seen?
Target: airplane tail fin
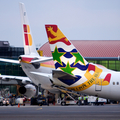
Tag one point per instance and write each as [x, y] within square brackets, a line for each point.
[66, 57]
[70, 65]
[29, 46]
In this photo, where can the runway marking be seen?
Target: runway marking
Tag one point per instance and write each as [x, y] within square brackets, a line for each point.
[39, 109]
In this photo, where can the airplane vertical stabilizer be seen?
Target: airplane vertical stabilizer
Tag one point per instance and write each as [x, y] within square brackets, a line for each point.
[68, 60]
[66, 57]
[29, 46]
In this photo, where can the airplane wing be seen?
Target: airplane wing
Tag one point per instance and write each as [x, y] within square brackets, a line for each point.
[19, 79]
[26, 87]
[9, 60]
[42, 59]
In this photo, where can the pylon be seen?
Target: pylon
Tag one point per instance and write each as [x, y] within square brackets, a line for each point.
[18, 105]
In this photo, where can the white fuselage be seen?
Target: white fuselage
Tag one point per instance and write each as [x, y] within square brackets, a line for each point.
[37, 79]
[110, 91]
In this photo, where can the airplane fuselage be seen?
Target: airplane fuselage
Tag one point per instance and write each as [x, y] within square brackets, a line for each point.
[100, 81]
[45, 68]
[105, 83]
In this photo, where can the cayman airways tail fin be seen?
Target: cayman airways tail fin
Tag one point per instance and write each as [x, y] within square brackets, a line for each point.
[29, 46]
[66, 57]
[68, 60]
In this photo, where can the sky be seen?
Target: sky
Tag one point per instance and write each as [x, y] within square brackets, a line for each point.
[77, 19]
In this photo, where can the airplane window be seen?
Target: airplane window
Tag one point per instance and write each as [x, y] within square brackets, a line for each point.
[117, 83]
[113, 83]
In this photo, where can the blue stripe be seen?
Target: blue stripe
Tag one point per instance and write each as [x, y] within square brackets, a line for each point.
[62, 50]
[79, 66]
[68, 55]
[74, 50]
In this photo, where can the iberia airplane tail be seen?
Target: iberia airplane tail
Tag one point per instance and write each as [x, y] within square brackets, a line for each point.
[66, 57]
[29, 47]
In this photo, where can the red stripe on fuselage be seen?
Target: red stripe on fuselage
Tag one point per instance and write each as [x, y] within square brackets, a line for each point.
[26, 59]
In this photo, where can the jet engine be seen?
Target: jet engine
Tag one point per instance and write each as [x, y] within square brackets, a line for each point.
[28, 90]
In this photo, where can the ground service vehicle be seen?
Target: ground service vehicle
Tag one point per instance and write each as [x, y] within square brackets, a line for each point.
[39, 101]
[42, 101]
[69, 101]
[5, 101]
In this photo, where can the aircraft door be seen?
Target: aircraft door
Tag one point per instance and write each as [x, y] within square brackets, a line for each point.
[98, 84]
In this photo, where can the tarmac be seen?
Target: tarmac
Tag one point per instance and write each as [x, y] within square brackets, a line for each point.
[58, 112]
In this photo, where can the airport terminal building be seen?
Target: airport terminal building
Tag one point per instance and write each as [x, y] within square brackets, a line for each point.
[104, 52]
[6, 51]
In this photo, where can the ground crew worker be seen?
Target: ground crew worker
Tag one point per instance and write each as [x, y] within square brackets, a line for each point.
[39, 94]
[96, 102]
[82, 100]
[79, 100]
[86, 100]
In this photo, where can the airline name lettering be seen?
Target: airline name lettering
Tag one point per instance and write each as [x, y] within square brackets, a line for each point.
[86, 84]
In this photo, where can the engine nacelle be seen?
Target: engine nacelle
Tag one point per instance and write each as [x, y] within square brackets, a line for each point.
[28, 90]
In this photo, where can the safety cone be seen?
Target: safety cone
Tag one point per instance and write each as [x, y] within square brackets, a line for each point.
[18, 105]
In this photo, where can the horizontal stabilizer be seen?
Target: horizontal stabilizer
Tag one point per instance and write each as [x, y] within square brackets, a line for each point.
[10, 61]
[42, 60]
[62, 75]
[41, 74]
